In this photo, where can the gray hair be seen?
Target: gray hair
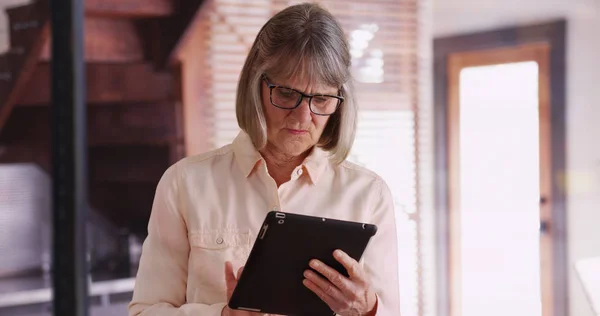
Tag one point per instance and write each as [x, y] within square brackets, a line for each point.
[303, 40]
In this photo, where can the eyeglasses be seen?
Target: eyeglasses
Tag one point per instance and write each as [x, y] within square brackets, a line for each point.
[289, 99]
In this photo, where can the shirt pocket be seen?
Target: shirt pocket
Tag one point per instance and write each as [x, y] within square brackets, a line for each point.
[208, 252]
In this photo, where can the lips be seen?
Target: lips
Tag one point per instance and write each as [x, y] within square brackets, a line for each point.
[296, 131]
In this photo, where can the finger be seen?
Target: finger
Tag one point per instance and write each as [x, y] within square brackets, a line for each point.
[340, 281]
[326, 286]
[239, 273]
[351, 265]
[229, 276]
[230, 279]
[330, 301]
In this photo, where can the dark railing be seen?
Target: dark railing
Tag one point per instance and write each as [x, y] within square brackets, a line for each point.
[69, 153]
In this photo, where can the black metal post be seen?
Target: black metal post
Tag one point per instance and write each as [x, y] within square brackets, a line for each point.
[69, 158]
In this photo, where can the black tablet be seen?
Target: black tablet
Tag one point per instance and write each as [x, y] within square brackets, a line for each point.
[272, 278]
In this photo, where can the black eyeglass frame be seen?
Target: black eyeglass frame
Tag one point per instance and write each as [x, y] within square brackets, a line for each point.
[303, 95]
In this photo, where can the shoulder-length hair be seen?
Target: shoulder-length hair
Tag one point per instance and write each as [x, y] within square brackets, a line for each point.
[301, 40]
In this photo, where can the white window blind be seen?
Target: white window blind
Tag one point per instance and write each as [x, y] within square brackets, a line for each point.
[230, 29]
[390, 45]
[385, 144]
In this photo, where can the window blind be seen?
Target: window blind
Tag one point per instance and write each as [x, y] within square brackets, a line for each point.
[390, 44]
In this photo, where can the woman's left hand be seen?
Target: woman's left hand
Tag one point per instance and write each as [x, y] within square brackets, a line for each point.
[351, 296]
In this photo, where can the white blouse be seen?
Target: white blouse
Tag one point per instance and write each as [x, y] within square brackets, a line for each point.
[208, 209]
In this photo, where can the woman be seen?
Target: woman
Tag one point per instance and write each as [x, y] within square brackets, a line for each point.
[296, 111]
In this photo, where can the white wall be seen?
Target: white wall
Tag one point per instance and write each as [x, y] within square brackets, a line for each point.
[583, 147]
[453, 17]
[4, 29]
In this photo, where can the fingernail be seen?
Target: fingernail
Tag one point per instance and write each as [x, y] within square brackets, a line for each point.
[306, 273]
[337, 253]
[314, 263]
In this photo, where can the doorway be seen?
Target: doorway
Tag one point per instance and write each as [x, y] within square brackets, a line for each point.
[500, 148]
[499, 171]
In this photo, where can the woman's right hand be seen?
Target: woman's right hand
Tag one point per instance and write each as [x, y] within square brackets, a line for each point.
[231, 281]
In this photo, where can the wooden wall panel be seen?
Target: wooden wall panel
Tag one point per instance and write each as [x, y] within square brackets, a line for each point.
[107, 125]
[107, 83]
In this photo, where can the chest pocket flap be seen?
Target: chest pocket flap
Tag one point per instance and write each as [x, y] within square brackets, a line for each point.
[220, 239]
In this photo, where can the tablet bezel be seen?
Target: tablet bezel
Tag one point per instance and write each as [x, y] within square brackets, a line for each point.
[281, 229]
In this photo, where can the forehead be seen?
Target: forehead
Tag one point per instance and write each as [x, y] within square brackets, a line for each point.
[305, 84]
[308, 73]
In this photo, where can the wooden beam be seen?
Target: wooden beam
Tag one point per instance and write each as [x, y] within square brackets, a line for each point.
[142, 163]
[22, 68]
[107, 83]
[109, 40]
[177, 150]
[130, 8]
[193, 73]
[128, 124]
[169, 35]
[24, 23]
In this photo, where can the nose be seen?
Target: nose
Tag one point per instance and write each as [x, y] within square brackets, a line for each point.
[302, 112]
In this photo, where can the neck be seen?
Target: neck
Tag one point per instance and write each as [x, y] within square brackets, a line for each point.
[279, 164]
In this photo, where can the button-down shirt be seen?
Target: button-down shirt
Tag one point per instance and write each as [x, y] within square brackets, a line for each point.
[209, 208]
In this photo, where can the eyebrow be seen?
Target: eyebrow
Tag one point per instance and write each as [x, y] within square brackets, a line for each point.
[336, 93]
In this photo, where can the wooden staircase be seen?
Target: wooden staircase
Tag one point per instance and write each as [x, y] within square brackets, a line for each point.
[133, 98]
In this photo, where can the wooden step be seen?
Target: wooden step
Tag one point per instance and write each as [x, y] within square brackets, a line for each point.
[107, 83]
[130, 8]
[38, 153]
[134, 163]
[127, 124]
[108, 40]
[117, 164]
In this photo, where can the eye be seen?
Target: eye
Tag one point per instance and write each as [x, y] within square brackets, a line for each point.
[287, 93]
[320, 99]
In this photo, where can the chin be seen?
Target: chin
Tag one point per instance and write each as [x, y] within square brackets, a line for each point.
[295, 147]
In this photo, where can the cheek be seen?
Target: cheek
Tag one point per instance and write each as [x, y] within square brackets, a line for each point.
[264, 95]
[320, 122]
[276, 120]
[270, 115]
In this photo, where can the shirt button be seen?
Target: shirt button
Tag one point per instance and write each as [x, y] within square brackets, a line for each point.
[219, 240]
[275, 208]
[299, 172]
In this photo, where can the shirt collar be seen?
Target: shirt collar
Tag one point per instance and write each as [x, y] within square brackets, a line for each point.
[247, 157]
[316, 163]
[245, 153]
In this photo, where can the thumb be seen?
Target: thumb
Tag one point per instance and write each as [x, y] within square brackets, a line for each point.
[230, 279]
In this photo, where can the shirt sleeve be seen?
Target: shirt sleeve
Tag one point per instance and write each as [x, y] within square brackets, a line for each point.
[381, 256]
[161, 281]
